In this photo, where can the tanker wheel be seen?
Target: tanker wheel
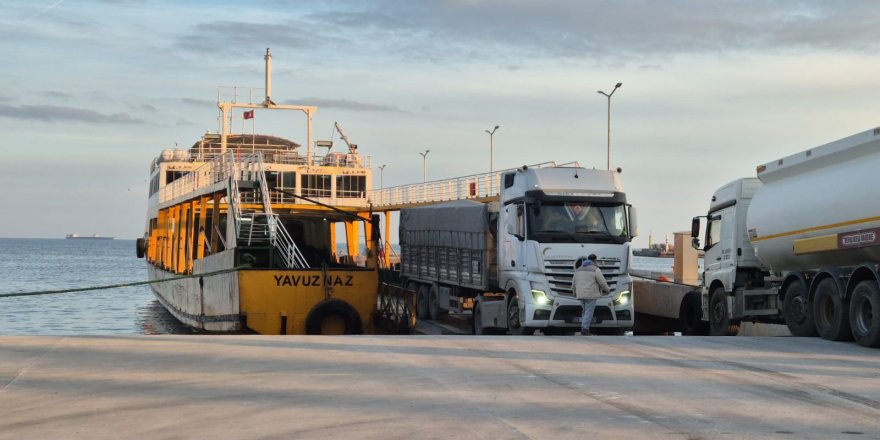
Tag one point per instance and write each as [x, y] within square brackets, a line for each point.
[690, 316]
[513, 321]
[796, 311]
[422, 302]
[831, 312]
[719, 322]
[864, 314]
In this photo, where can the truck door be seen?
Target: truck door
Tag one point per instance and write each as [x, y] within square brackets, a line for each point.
[719, 245]
[514, 235]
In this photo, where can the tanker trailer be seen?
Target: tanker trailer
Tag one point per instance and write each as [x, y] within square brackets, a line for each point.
[798, 244]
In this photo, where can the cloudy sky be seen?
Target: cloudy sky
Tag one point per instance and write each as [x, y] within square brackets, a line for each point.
[93, 90]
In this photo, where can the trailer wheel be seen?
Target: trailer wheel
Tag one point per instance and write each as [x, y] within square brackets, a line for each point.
[422, 302]
[864, 314]
[333, 316]
[513, 322]
[690, 316]
[830, 312]
[719, 322]
[796, 310]
[434, 309]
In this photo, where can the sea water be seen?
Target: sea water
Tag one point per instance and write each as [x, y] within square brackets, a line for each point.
[28, 265]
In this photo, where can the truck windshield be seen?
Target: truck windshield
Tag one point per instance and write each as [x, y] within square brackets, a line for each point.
[577, 222]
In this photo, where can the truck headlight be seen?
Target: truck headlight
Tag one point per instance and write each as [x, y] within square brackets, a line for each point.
[622, 299]
[540, 297]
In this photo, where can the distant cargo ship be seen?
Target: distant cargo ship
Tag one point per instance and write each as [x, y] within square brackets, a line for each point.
[87, 237]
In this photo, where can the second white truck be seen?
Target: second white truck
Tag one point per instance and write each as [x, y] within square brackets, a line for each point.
[511, 260]
[799, 244]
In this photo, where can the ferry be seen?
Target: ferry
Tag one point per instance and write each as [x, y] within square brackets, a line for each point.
[242, 228]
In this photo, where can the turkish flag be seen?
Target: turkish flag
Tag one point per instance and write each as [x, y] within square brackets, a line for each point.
[249, 114]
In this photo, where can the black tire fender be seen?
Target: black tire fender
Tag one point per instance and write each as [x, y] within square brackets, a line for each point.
[330, 307]
[140, 247]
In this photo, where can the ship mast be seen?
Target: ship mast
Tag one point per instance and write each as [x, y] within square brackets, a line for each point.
[226, 107]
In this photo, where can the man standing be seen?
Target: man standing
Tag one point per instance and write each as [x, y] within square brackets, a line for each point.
[589, 285]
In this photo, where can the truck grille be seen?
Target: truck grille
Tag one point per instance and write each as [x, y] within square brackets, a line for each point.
[561, 271]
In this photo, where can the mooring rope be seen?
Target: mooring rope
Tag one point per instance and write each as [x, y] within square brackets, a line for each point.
[114, 286]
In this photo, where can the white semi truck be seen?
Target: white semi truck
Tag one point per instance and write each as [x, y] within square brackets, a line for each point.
[511, 260]
[799, 244]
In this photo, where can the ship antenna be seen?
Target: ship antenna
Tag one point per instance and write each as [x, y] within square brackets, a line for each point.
[268, 59]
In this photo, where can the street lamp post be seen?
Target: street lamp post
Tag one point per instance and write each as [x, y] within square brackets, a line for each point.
[425, 165]
[491, 146]
[608, 95]
[382, 176]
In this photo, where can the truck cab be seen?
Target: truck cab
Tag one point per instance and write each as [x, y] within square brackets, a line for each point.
[727, 248]
[548, 218]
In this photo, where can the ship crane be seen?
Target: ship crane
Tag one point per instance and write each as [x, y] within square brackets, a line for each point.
[352, 148]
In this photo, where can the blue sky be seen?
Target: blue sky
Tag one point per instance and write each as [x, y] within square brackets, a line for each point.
[93, 90]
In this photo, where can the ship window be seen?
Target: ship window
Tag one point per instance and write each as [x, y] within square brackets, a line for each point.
[288, 180]
[171, 176]
[315, 185]
[351, 186]
[272, 178]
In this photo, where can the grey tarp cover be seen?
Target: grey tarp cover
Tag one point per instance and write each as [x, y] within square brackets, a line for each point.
[460, 224]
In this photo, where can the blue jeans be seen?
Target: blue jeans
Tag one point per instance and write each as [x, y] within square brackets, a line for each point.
[589, 307]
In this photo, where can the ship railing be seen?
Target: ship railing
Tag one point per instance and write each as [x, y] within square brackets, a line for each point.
[240, 95]
[277, 156]
[475, 186]
[218, 169]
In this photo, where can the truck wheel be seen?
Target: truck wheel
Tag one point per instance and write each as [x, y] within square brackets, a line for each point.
[690, 316]
[796, 311]
[864, 314]
[830, 312]
[513, 322]
[434, 309]
[719, 323]
[422, 302]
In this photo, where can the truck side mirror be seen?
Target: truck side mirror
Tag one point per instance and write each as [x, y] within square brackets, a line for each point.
[633, 222]
[695, 227]
[695, 243]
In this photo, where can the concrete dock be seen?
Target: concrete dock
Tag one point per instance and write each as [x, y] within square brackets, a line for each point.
[380, 387]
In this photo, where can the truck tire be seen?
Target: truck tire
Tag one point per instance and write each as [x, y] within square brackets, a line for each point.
[796, 310]
[513, 321]
[422, 302]
[830, 312]
[719, 322]
[864, 314]
[333, 311]
[690, 316]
